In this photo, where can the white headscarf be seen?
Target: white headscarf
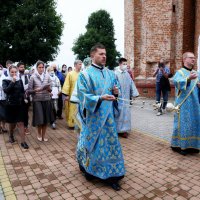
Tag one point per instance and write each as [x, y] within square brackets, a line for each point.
[40, 75]
[2, 94]
[1, 78]
[9, 77]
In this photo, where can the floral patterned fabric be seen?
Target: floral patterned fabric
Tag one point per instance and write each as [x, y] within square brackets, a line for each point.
[128, 90]
[98, 150]
[186, 133]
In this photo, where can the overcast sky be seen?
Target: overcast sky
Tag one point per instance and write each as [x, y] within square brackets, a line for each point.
[75, 15]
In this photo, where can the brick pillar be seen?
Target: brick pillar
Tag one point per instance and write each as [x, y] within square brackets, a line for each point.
[177, 35]
[189, 25]
[129, 32]
[154, 36]
[197, 26]
[153, 30]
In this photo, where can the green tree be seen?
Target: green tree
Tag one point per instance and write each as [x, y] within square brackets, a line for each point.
[100, 29]
[29, 30]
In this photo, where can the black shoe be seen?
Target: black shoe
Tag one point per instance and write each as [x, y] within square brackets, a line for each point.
[89, 177]
[195, 151]
[115, 186]
[191, 150]
[124, 135]
[24, 145]
[176, 149]
[82, 169]
[183, 152]
[11, 139]
[4, 130]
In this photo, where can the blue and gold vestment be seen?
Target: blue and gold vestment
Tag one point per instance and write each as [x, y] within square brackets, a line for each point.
[186, 133]
[98, 151]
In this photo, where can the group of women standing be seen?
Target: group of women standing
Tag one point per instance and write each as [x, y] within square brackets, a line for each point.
[12, 102]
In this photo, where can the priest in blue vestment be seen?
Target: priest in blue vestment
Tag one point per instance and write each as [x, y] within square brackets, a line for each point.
[186, 133]
[99, 152]
[128, 91]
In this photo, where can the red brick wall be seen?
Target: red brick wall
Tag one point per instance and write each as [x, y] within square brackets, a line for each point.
[157, 29]
[189, 25]
[148, 89]
[153, 37]
[137, 36]
[129, 31]
[153, 31]
[197, 26]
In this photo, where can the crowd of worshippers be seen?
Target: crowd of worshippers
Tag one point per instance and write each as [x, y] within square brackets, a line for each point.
[20, 88]
[48, 90]
[97, 104]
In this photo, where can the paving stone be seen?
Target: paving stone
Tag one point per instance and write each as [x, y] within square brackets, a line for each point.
[50, 170]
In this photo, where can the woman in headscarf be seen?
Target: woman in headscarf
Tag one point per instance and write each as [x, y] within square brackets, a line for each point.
[40, 89]
[56, 91]
[2, 103]
[14, 89]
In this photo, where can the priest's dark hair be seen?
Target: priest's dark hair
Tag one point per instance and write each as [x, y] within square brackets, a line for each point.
[97, 46]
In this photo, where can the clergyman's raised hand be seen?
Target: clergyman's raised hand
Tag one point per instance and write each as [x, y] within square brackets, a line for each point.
[108, 97]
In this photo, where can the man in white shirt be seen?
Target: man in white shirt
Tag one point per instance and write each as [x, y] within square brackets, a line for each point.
[25, 80]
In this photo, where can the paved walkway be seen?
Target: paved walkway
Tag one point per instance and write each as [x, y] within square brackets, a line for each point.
[145, 120]
[50, 171]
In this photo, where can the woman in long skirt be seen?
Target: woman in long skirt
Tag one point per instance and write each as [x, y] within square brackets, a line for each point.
[40, 89]
[14, 89]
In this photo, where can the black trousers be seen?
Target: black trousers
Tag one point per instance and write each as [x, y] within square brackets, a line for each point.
[60, 106]
[26, 117]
